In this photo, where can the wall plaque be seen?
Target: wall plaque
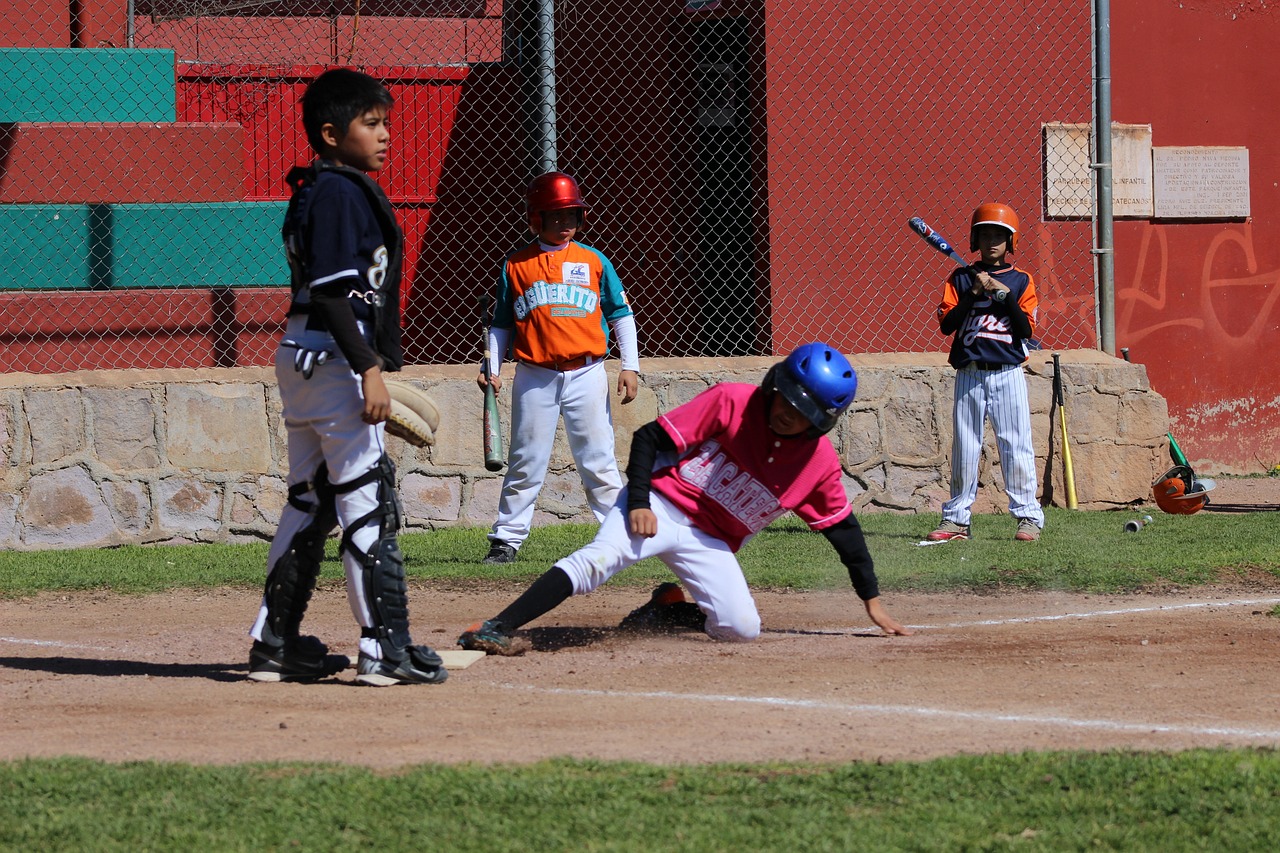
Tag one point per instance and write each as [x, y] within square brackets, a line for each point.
[1201, 182]
[1069, 181]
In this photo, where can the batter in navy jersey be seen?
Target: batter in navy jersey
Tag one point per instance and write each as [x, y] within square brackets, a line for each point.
[702, 480]
[343, 331]
[990, 308]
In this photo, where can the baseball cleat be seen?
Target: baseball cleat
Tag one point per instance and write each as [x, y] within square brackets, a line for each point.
[492, 638]
[1028, 530]
[303, 659]
[421, 666]
[666, 610]
[500, 553]
[949, 531]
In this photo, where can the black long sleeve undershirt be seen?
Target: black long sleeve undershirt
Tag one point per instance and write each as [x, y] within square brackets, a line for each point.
[846, 537]
[331, 305]
[646, 443]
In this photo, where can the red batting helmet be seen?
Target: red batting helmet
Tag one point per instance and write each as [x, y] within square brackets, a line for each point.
[1177, 492]
[554, 191]
[993, 214]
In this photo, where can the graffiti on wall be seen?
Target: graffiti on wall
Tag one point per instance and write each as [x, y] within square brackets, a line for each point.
[1205, 324]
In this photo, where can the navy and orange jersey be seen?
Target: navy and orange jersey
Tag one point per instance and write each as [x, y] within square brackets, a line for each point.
[986, 335]
[558, 303]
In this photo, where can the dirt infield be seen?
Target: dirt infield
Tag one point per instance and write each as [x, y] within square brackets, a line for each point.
[163, 678]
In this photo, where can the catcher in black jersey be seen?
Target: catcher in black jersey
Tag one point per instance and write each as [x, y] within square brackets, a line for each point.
[343, 331]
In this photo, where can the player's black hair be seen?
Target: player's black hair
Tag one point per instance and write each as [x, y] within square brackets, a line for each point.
[338, 97]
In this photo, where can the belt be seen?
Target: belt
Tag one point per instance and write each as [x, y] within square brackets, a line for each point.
[990, 365]
[568, 364]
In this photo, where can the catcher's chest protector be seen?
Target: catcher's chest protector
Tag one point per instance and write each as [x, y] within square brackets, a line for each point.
[384, 305]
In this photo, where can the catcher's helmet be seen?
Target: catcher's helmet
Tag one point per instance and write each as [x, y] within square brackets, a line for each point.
[1178, 492]
[818, 381]
[554, 191]
[993, 214]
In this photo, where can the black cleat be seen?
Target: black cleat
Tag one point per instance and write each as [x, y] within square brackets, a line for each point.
[500, 553]
[421, 666]
[302, 659]
[666, 610]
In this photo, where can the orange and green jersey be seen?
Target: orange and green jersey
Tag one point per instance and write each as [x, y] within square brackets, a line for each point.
[558, 303]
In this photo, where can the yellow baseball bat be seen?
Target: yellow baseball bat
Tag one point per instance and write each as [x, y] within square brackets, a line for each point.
[1068, 473]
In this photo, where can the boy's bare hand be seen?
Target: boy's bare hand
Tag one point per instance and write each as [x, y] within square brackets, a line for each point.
[990, 285]
[886, 622]
[642, 522]
[377, 400]
[495, 381]
[628, 385]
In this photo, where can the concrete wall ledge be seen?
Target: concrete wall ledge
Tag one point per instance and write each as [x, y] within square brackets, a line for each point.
[103, 458]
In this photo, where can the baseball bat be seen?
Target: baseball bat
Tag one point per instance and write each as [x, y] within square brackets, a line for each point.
[1068, 473]
[493, 455]
[936, 240]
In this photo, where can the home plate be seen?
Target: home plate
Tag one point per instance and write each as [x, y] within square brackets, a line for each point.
[459, 658]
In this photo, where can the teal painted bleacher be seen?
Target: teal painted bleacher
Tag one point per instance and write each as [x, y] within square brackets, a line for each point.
[87, 85]
[98, 246]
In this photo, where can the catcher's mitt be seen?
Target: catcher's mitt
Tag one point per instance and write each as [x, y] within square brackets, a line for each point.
[414, 416]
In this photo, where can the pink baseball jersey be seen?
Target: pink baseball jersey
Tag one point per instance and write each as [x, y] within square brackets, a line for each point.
[735, 476]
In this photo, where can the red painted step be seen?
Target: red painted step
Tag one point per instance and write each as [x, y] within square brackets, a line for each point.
[71, 163]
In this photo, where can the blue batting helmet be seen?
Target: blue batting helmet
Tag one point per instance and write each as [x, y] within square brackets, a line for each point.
[819, 382]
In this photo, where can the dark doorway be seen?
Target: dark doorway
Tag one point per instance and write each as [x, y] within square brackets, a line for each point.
[726, 262]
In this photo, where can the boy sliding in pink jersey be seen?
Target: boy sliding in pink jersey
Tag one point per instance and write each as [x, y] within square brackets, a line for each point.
[702, 480]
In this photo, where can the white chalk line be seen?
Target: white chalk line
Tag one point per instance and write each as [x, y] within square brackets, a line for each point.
[1098, 614]
[1116, 726]
[56, 644]
[1012, 620]
[1053, 617]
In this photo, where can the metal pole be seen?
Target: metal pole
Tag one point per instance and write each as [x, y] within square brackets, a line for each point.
[1104, 248]
[545, 86]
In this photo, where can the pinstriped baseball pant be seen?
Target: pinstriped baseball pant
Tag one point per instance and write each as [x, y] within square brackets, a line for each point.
[1001, 397]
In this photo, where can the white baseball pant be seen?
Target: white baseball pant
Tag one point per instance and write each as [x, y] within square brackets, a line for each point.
[539, 398]
[323, 418]
[704, 564]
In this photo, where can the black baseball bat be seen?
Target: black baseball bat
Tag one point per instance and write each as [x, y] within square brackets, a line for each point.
[936, 240]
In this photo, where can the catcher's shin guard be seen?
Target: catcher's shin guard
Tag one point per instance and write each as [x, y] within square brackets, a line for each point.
[292, 579]
[385, 589]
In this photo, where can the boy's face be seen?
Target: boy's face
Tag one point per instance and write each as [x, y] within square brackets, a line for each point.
[363, 145]
[785, 419]
[559, 226]
[992, 242]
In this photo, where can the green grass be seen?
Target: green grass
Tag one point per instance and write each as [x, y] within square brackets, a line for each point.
[1195, 800]
[1222, 800]
[1082, 551]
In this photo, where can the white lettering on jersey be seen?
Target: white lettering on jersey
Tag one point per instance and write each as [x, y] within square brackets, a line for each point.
[986, 326]
[378, 272]
[562, 299]
[739, 492]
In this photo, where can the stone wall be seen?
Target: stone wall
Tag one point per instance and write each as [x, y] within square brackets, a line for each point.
[102, 458]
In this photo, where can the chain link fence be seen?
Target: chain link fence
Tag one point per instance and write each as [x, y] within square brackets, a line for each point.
[751, 164]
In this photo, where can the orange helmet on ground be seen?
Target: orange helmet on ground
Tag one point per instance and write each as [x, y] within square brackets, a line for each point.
[1177, 492]
[554, 191]
[993, 214]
